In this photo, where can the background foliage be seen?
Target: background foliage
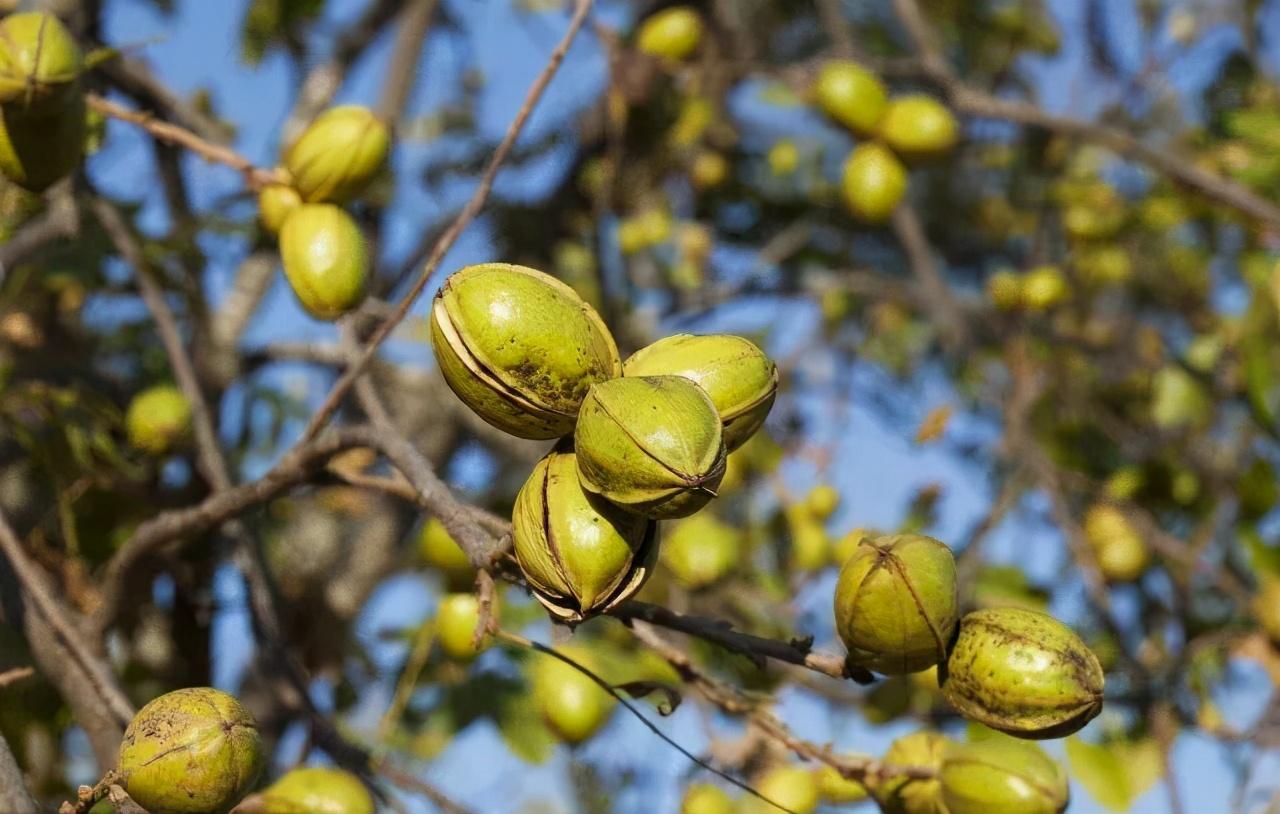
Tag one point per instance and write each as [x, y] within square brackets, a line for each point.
[1130, 146]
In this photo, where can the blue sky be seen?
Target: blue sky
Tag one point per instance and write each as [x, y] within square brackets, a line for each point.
[198, 48]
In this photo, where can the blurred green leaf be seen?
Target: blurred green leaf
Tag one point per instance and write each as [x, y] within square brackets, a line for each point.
[1115, 775]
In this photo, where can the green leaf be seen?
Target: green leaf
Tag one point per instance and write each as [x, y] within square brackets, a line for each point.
[1099, 771]
[1116, 774]
[523, 730]
[1264, 558]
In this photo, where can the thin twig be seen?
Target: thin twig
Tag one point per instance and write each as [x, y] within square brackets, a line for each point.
[408, 679]
[170, 133]
[408, 782]
[89, 796]
[520, 641]
[720, 632]
[15, 675]
[866, 770]
[937, 294]
[442, 247]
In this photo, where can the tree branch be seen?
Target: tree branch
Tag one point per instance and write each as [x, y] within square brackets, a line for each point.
[865, 770]
[14, 797]
[86, 684]
[169, 133]
[716, 631]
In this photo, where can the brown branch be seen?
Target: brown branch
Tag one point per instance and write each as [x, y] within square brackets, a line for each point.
[170, 133]
[938, 298]
[865, 770]
[469, 212]
[89, 796]
[126, 245]
[838, 28]
[721, 633]
[406, 781]
[14, 796]
[401, 75]
[295, 467]
[16, 675]
[135, 80]
[86, 662]
[252, 281]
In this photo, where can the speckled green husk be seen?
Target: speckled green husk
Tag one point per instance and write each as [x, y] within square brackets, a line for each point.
[895, 603]
[580, 554]
[40, 63]
[317, 790]
[651, 444]
[1022, 672]
[192, 751]
[741, 381]
[520, 348]
[1002, 776]
[906, 795]
[337, 156]
[36, 151]
[325, 259]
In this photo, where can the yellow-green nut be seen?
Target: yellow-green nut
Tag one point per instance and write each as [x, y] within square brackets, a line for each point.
[792, 787]
[158, 419]
[912, 795]
[822, 501]
[1022, 672]
[837, 789]
[325, 259]
[701, 550]
[671, 34]
[704, 798]
[275, 203]
[40, 63]
[919, 127]
[438, 549]
[651, 444]
[741, 381]
[571, 704]
[338, 155]
[38, 150]
[1120, 549]
[895, 603]
[1002, 776]
[519, 347]
[317, 790]
[874, 182]
[192, 751]
[457, 617]
[851, 95]
[580, 554]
